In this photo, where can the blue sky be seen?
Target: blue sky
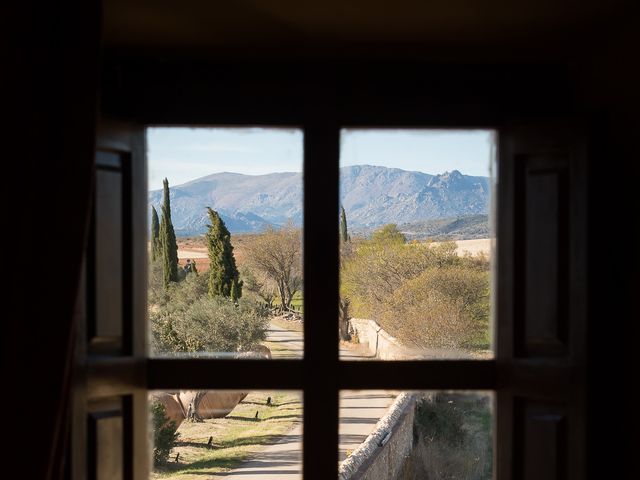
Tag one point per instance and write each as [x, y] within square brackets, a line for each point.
[183, 154]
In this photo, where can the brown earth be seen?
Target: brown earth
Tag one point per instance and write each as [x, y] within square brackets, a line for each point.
[195, 249]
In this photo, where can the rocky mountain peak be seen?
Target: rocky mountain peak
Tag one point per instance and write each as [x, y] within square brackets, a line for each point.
[371, 195]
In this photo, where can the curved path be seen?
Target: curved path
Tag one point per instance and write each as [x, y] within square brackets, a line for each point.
[360, 410]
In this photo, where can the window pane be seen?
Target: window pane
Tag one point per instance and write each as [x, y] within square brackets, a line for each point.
[202, 434]
[106, 428]
[225, 250]
[416, 435]
[417, 242]
[106, 334]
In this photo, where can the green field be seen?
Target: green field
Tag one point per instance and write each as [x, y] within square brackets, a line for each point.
[297, 303]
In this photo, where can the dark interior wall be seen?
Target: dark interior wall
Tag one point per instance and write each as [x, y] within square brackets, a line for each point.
[606, 80]
[366, 92]
[49, 108]
[51, 112]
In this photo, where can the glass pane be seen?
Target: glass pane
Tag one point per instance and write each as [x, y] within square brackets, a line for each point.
[225, 250]
[109, 460]
[417, 242]
[203, 434]
[105, 430]
[106, 334]
[416, 435]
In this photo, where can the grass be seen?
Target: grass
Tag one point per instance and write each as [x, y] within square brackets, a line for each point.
[236, 437]
[452, 436]
[297, 302]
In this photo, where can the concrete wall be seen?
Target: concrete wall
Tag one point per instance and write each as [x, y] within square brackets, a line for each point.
[377, 341]
[379, 344]
[382, 454]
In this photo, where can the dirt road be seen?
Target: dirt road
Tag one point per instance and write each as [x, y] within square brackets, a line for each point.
[360, 410]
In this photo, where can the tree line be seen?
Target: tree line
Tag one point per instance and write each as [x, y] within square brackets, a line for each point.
[190, 312]
[224, 309]
[223, 277]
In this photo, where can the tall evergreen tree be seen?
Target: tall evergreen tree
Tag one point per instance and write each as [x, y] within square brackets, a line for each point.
[155, 235]
[344, 233]
[223, 273]
[168, 240]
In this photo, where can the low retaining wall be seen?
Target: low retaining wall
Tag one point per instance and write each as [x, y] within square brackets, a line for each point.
[378, 342]
[382, 454]
[381, 345]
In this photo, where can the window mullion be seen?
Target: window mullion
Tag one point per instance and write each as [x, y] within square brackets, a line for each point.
[321, 267]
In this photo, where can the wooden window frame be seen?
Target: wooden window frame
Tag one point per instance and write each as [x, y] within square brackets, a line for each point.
[320, 375]
[321, 106]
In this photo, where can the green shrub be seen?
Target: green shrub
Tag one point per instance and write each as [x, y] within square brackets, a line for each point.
[164, 434]
[452, 438]
[371, 274]
[442, 307]
[182, 295]
[388, 234]
[189, 287]
[209, 324]
[156, 291]
[421, 293]
[440, 422]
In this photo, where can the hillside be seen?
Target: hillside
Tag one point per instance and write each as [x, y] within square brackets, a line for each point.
[371, 195]
[456, 228]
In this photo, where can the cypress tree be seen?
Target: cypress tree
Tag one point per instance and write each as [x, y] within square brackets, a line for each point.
[155, 235]
[344, 234]
[168, 240]
[223, 273]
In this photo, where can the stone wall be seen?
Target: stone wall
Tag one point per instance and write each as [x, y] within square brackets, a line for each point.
[382, 454]
[378, 342]
[381, 345]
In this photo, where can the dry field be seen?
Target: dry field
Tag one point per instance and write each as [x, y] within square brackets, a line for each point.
[195, 249]
[474, 247]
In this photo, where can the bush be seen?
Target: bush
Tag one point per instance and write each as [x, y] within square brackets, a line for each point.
[182, 295]
[208, 324]
[376, 269]
[164, 434]
[442, 307]
[421, 293]
[452, 434]
[438, 421]
[188, 286]
[185, 319]
[156, 291]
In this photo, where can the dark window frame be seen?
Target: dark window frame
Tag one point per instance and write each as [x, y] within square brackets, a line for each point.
[368, 95]
[320, 375]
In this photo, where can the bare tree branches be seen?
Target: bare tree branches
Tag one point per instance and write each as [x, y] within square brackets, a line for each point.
[275, 256]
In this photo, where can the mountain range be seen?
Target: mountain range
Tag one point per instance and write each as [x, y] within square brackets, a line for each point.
[371, 195]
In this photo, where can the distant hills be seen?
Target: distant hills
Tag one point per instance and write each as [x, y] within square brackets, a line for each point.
[372, 196]
[453, 228]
